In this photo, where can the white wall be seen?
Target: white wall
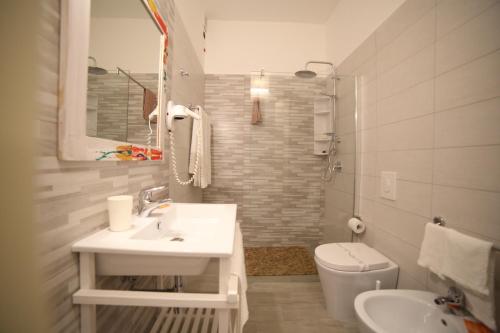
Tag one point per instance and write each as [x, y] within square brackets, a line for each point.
[132, 44]
[351, 22]
[192, 14]
[240, 47]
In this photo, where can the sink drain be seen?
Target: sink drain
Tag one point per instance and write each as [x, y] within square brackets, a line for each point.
[444, 322]
[177, 239]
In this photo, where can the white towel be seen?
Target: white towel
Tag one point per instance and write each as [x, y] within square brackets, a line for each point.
[203, 177]
[433, 249]
[238, 268]
[483, 307]
[468, 261]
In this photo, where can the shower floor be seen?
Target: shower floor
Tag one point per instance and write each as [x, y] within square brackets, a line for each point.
[279, 261]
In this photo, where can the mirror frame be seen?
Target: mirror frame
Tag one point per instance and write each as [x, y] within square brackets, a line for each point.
[73, 142]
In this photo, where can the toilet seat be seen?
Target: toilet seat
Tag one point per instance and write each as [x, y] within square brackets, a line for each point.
[350, 257]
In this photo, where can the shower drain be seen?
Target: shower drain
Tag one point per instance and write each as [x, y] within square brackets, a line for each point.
[177, 239]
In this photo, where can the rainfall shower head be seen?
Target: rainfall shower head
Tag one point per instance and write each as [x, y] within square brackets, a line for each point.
[308, 74]
[94, 69]
[97, 70]
[305, 74]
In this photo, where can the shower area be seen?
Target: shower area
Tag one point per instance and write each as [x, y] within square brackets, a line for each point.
[115, 104]
[274, 169]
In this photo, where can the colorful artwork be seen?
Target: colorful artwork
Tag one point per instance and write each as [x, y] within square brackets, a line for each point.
[131, 153]
[162, 25]
[156, 13]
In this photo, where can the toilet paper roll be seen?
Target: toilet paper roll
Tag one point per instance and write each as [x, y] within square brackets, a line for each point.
[356, 225]
[120, 212]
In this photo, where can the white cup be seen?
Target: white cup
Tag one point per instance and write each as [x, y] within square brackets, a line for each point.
[120, 212]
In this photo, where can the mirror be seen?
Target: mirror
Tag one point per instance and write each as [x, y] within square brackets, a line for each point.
[122, 84]
[111, 89]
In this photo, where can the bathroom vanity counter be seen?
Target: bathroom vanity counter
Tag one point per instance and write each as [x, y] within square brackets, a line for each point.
[178, 240]
[182, 230]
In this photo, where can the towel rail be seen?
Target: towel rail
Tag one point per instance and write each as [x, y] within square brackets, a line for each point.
[439, 220]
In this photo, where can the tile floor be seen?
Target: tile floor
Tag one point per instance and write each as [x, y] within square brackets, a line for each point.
[289, 304]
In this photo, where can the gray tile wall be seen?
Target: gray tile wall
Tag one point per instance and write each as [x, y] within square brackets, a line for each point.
[70, 196]
[269, 169]
[119, 106]
[430, 110]
[110, 91]
[137, 127]
[186, 91]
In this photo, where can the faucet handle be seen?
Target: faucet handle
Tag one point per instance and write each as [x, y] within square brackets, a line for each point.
[146, 195]
[456, 296]
[155, 188]
[146, 192]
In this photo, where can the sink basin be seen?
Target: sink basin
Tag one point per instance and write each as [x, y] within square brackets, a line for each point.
[184, 222]
[410, 311]
[177, 240]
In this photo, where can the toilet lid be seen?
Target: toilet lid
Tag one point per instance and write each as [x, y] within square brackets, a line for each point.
[350, 257]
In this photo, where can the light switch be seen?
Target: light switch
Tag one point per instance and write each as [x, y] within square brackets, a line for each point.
[388, 185]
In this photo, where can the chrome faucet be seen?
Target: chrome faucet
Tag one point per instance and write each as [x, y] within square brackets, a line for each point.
[146, 203]
[456, 298]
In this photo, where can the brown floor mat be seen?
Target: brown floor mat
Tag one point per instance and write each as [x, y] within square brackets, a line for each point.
[274, 261]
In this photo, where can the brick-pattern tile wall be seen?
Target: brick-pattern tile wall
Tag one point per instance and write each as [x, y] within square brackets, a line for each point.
[119, 106]
[70, 197]
[268, 169]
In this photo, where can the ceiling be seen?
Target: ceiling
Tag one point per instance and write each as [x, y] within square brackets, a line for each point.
[305, 11]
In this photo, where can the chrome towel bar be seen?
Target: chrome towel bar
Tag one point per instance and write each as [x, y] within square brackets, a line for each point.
[439, 220]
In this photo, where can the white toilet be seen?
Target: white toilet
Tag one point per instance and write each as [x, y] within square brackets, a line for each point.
[348, 269]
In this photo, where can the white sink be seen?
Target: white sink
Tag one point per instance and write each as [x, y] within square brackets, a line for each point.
[409, 311]
[178, 240]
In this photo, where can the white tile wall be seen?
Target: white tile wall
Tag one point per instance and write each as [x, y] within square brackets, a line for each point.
[473, 82]
[411, 103]
[413, 70]
[409, 13]
[412, 197]
[436, 123]
[411, 165]
[469, 125]
[417, 133]
[477, 211]
[412, 40]
[468, 167]
[454, 49]
[453, 13]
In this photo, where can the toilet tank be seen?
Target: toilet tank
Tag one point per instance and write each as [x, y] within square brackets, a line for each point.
[348, 269]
